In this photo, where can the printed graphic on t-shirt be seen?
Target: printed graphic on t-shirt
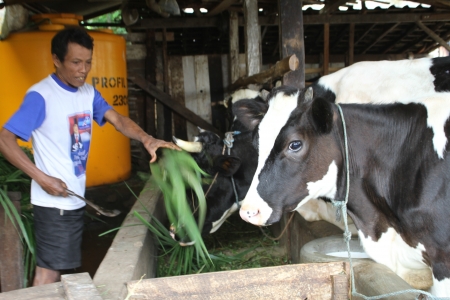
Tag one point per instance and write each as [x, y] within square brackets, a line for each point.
[80, 133]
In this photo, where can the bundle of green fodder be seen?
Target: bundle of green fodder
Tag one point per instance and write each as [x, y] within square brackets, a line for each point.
[175, 173]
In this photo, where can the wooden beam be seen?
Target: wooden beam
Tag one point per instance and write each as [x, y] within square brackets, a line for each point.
[290, 63]
[422, 37]
[326, 49]
[380, 38]
[339, 37]
[434, 46]
[234, 46]
[365, 33]
[169, 102]
[292, 43]
[330, 8]
[252, 37]
[222, 6]
[407, 33]
[433, 35]
[373, 18]
[307, 20]
[351, 44]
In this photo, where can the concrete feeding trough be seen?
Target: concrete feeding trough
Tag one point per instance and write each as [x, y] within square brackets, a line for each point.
[332, 248]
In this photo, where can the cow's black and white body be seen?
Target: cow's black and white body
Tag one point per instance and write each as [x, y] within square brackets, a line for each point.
[386, 81]
[432, 75]
[399, 196]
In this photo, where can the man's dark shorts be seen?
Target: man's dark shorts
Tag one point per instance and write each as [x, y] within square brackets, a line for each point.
[58, 237]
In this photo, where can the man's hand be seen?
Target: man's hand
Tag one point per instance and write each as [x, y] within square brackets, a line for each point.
[152, 144]
[53, 186]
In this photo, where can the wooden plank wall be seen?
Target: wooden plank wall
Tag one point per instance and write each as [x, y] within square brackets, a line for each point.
[136, 56]
[198, 82]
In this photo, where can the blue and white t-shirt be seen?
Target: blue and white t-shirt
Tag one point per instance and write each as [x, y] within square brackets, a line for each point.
[58, 118]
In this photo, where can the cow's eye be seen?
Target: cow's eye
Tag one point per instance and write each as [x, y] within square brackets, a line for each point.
[295, 146]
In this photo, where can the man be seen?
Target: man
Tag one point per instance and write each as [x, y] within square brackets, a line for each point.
[49, 113]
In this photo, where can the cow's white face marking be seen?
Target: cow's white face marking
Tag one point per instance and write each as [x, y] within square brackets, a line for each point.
[254, 209]
[403, 81]
[325, 187]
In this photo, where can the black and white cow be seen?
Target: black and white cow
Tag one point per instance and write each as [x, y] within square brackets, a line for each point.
[221, 201]
[208, 151]
[399, 166]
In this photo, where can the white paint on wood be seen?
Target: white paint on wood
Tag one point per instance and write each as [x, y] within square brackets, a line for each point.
[203, 88]
[196, 89]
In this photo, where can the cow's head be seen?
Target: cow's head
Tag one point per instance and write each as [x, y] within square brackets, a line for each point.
[298, 155]
[208, 151]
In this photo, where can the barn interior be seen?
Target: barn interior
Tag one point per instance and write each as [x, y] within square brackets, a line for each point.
[185, 57]
[331, 34]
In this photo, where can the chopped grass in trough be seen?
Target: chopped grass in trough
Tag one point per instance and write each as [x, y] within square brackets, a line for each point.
[236, 245]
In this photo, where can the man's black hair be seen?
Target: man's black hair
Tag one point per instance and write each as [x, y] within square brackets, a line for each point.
[77, 35]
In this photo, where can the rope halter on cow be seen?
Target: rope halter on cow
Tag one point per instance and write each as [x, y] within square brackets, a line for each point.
[347, 234]
[228, 142]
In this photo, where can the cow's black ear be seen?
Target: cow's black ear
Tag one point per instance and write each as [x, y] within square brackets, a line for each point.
[250, 112]
[322, 115]
[226, 165]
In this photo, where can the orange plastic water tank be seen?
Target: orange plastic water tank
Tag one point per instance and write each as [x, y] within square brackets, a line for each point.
[26, 59]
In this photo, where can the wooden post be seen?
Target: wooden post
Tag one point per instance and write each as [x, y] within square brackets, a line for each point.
[287, 64]
[136, 56]
[326, 49]
[351, 44]
[234, 46]
[252, 37]
[291, 42]
[177, 93]
[167, 125]
[11, 250]
[150, 76]
[165, 99]
[291, 33]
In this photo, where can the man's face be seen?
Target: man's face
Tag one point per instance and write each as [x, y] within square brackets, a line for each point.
[76, 66]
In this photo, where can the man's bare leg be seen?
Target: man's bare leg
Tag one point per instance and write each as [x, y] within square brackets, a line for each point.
[45, 276]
